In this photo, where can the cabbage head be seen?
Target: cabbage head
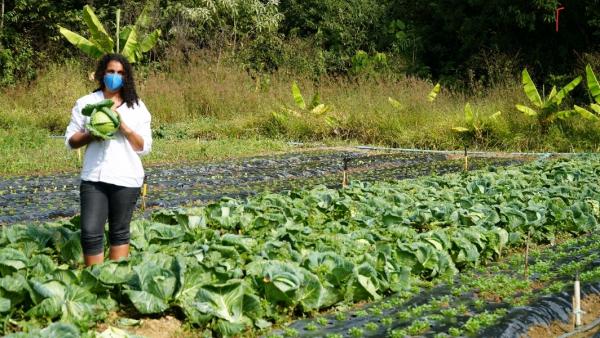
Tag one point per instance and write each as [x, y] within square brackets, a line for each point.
[104, 123]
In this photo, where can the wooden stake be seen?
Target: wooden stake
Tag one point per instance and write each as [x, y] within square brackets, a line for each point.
[345, 172]
[466, 160]
[527, 255]
[144, 192]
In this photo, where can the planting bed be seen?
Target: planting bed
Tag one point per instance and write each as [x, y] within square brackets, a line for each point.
[499, 300]
[421, 251]
[49, 197]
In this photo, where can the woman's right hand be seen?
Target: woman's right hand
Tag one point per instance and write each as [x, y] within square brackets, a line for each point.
[80, 139]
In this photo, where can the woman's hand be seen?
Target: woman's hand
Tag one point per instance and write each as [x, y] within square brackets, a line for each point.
[136, 141]
[82, 138]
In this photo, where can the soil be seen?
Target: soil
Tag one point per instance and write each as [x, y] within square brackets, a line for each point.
[165, 327]
[590, 305]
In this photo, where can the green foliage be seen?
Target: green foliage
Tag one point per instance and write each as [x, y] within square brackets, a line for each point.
[314, 109]
[227, 268]
[594, 90]
[101, 43]
[548, 109]
[16, 63]
[451, 35]
[592, 84]
[439, 39]
[28, 37]
[341, 27]
[434, 92]
[365, 65]
[477, 126]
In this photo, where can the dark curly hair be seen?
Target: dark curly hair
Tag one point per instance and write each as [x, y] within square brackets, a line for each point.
[128, 92]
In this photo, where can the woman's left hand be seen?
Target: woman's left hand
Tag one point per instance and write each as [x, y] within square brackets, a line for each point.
[136, 141]
[122, 126]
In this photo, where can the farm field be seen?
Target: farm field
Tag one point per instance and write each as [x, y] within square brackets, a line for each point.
[45, 197]
[331, 169]
[432, 256]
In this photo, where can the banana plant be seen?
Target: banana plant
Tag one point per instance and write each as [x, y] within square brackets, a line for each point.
[546, 109]
[315, 107]
[395, 103]
[594, 91]
[100, 42]
[434, 92]
[476, 125]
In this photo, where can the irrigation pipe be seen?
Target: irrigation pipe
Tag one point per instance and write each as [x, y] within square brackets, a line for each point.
[582, 329]
[462, 151]
[431, 151]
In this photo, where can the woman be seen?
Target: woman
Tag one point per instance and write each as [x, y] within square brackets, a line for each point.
[112, 170]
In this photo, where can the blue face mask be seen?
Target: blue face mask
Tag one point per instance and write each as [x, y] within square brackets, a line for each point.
[113, 81]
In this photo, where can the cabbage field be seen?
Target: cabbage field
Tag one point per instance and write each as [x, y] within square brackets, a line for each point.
[38, 198]
[435, 256]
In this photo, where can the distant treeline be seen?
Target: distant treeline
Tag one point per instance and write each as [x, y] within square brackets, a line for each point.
[461, 42]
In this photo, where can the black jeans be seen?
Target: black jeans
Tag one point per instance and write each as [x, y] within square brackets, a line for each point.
[101, 201]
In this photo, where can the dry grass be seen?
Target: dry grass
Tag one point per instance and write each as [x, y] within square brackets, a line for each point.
[209, 99]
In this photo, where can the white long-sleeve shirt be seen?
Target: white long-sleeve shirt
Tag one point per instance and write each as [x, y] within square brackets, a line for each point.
[113, 161]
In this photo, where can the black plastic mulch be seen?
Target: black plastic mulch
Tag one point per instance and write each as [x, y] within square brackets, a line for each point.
[43, 198]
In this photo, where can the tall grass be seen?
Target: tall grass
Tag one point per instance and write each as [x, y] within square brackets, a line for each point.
[208, 99]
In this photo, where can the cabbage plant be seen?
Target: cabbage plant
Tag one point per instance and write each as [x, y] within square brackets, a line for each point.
[103, 123]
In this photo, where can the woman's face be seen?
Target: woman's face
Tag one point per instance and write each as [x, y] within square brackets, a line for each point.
[115, 67]
[113, 77]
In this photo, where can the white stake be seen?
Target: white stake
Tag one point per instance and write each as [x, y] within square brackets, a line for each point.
[577, 306]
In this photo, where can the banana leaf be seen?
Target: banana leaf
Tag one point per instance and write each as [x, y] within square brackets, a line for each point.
[298, 96]
[396, 104]
[526, 110]
[566, 90]
[495, 115]
[124, 35]
[99, 35]
[561, 115]
[469, 116]
[586, 114]
[320, 109]
[149, 41]
[130, 47]
[531, 91]
[316, 100]
[434, 92]
[592, 83]
[460, 129]
[551, 96]
[85, 45]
